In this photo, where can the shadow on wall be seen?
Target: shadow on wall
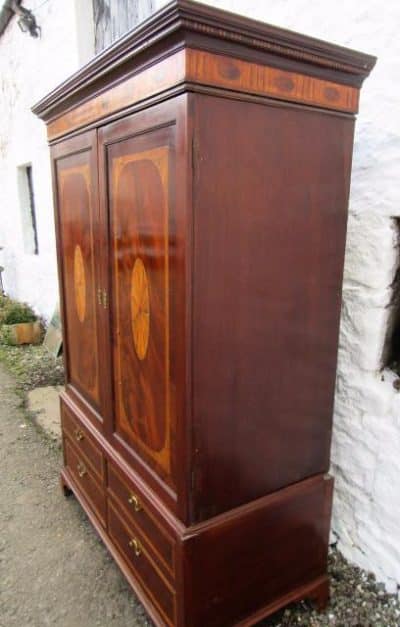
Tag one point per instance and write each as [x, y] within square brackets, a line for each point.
[391, 349]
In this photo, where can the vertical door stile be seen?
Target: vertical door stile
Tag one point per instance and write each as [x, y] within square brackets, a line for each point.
[104, 287]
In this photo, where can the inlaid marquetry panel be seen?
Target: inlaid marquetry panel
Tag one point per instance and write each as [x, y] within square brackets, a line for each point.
[140, 308]
[139, 225]
[237, 74]
[207, 68]
[150, 81]
[79, 283]
[76, 221]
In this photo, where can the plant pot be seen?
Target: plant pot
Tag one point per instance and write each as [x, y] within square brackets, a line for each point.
[21, 333]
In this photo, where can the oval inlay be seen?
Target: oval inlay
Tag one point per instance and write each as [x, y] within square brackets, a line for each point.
[331, 94]
[228, 69]
[285, 83]
[79, 283]
[140, 308]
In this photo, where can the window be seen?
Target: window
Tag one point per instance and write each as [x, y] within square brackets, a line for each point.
[28, 210]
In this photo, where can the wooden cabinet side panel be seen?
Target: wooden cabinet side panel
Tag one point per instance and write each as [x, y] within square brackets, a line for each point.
[248, 563]
[270, 213]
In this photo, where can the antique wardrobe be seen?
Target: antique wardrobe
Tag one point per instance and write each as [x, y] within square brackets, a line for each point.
[201, 171]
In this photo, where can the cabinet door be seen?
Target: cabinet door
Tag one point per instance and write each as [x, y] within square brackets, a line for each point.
[82, 304]
[146, 261]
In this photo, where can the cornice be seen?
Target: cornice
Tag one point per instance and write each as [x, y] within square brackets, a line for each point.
[182, 18]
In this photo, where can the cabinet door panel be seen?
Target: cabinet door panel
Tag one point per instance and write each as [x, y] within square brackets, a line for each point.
[75, 173]
[141, 158]
[140, 199]
[140, 271]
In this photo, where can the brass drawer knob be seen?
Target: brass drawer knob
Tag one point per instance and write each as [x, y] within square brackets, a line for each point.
[81, 468]
[136, 546]
[78, 435]
[133, 500]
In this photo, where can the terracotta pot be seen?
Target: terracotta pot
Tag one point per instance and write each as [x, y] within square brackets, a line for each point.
[21, 333]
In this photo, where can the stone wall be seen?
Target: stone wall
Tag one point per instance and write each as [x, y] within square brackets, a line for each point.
[29, 68]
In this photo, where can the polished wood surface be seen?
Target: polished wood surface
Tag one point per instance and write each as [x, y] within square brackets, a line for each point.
[135, 508]
[267, 295]
[140, 308]
[205, 68]
[167, 73]
[83, 441]
[201, 173]
[139, 226]
[77, 221]
[77, 233]
[251, 78]
[145, 568]
[275, 546]
[142, 158]
[82, 473]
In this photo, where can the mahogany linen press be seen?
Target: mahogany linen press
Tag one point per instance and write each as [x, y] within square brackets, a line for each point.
[201, 170]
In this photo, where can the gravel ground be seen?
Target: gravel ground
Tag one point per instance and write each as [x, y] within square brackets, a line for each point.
[53, 569]
[33, 366]
[356, 601]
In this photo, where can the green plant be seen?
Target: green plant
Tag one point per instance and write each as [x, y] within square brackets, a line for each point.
[4, 301]
[14, 313]
[6, 336]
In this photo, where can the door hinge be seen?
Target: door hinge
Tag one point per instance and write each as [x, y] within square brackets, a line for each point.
[99, 296]
[105, 299]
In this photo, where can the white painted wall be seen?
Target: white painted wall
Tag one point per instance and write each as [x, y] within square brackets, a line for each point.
[366, 442]
[29, 68]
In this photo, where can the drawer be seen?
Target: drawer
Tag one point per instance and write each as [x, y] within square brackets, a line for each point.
[86, 480]
[137, 510]
[142, 565]
[82, 439]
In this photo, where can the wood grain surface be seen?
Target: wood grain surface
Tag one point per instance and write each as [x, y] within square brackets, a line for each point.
[208, 69]
[150, 81]
[78, 223]
[270, 220]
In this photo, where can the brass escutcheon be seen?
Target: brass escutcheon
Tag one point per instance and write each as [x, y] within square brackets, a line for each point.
[81, 468]
[133, 500]
[136, 546]
[78, 435]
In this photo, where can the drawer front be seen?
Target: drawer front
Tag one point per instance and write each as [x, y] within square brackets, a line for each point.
[87, 481]
[139, 560]
[137, 510]
[82, 439]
